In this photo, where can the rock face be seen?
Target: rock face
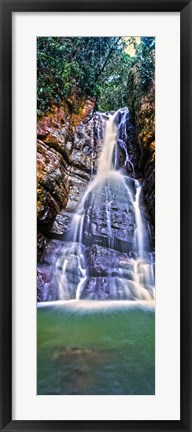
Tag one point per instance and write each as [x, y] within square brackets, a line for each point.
[102, 262]
[68, 147]
[128, 151]
[67, 151]
[107, 288]
[141, 103]
[47, 285]
[52, 191]
[99, 258]
[61, 170]
[109, 216]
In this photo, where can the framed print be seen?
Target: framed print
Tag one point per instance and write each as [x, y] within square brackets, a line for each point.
[95, 215]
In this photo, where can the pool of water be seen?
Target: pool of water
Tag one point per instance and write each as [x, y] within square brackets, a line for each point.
[96, 348]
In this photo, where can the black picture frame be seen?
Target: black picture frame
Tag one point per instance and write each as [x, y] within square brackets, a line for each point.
[7, 7]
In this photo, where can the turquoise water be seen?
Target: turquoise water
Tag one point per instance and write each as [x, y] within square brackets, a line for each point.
[96, 348]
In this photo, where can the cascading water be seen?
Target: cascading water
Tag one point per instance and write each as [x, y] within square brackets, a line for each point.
[139, 224]
[105, 161]
[122, 138]
[107, 254]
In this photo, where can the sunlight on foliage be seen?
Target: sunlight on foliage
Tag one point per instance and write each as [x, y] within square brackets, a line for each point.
[89, 67]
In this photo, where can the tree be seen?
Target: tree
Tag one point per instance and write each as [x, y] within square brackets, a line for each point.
[87, 67]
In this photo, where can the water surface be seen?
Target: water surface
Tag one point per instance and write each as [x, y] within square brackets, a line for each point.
[96, 348]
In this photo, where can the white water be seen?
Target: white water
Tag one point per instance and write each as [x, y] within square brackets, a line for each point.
[71, 271]
[105, 164]
[71, 284]
[88, 306]
[105, 170]
[77, 225]
[122, 139]
[139, 223]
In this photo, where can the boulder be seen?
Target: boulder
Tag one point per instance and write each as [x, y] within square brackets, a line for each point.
[103, 261]
[106, 288]
[109, 216]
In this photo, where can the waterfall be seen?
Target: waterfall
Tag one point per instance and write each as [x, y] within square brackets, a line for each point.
[105, 164]
[122, 138]
[139, 224]
[107, 253]
[77, 225]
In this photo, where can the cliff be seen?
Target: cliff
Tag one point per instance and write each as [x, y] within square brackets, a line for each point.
[69, 142]
[141, 102]
[65, 159]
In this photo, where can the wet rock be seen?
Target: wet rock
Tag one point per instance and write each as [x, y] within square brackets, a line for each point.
[106, 288]
[104, 261]
[51, 190]
[77, 188]
[81, 160]
[114, 288]
[149, 192]
[62, 223]
[68, 154]
[109, 216]
[46, 283]
[41, 245]
[70, 268]
[142, 108]
[87, 150]
[62, 171]
[128, 152]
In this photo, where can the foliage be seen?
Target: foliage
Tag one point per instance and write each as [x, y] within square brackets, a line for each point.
[113, 81]
[88, 66]
[144, 61]
[69, 65]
